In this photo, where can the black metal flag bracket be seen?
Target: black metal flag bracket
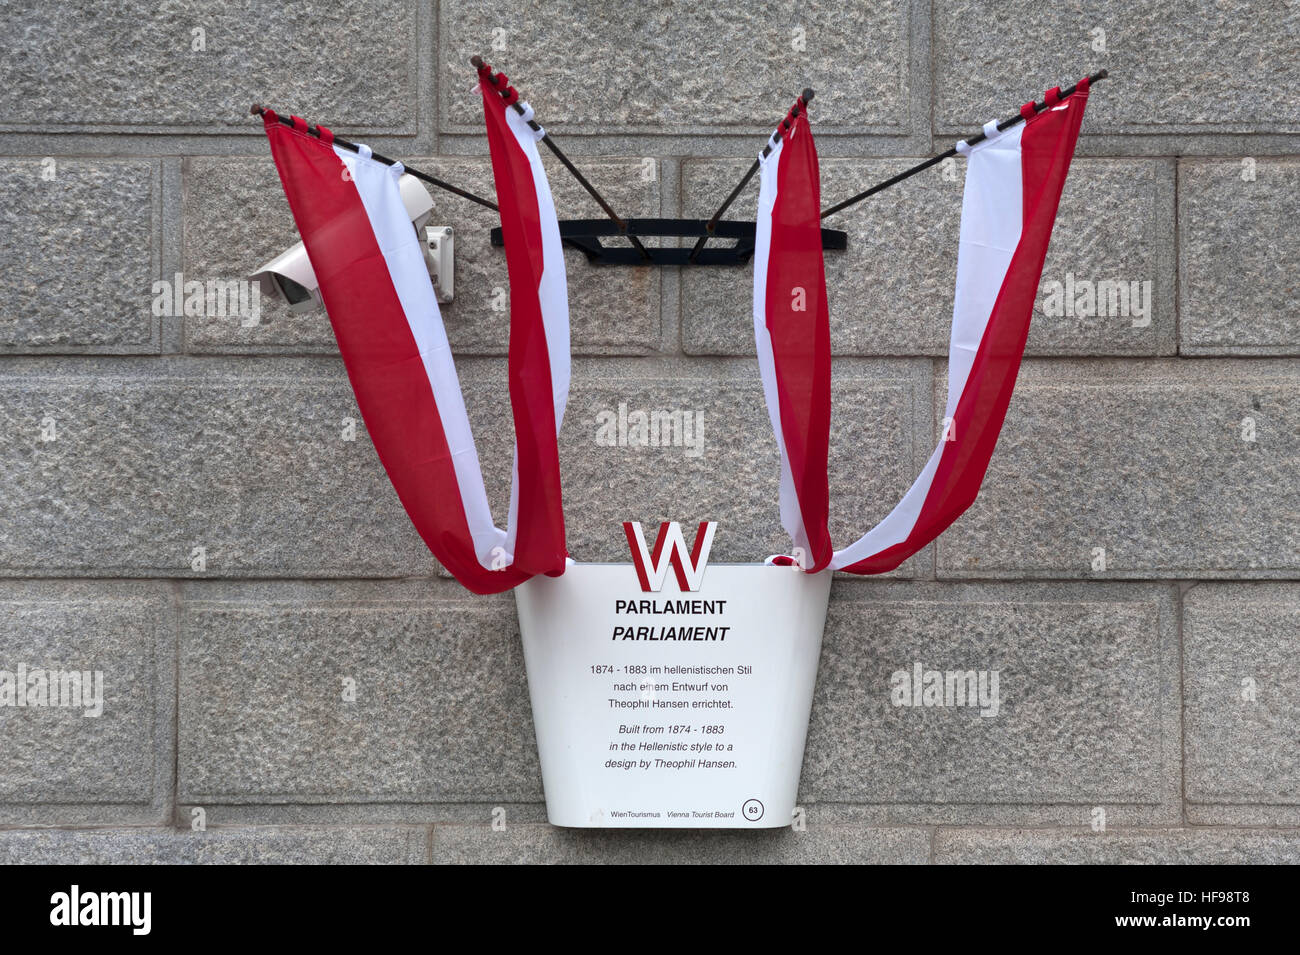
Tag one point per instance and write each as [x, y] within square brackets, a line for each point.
[585, 235]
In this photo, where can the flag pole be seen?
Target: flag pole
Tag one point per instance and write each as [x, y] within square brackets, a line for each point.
[258, 110]
[933, 160]
[712, 224]
[479, 64]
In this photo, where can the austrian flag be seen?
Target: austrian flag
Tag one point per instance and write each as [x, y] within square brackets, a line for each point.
[1014, 179]
[368, 261]
[369, 264]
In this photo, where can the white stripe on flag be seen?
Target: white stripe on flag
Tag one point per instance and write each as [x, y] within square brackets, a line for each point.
[791, 512]
[552, 294]
[377, 186]
[992, 217]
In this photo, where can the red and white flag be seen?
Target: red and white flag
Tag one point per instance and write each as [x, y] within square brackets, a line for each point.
[1013, 186]
[792, 331]
[376, 288]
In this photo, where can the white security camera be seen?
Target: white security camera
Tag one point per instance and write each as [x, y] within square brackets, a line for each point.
[290, 277]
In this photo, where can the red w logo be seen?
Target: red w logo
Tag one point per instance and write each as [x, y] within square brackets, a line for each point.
[652, 569]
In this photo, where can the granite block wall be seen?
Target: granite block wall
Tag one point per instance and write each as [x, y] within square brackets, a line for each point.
[191, 507]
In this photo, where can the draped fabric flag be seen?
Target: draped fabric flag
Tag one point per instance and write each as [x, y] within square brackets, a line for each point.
[792, 331]
[373, 280]
[1013, 186]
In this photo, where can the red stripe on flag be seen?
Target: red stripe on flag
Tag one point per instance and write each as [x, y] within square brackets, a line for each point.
[539, 544]
[1046, 147]
[798, 321]
[379, 352]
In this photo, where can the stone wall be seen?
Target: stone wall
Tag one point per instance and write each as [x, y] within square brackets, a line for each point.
[185, 507]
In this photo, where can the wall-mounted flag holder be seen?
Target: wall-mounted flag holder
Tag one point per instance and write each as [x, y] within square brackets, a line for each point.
[655, 707]
[586, 234]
